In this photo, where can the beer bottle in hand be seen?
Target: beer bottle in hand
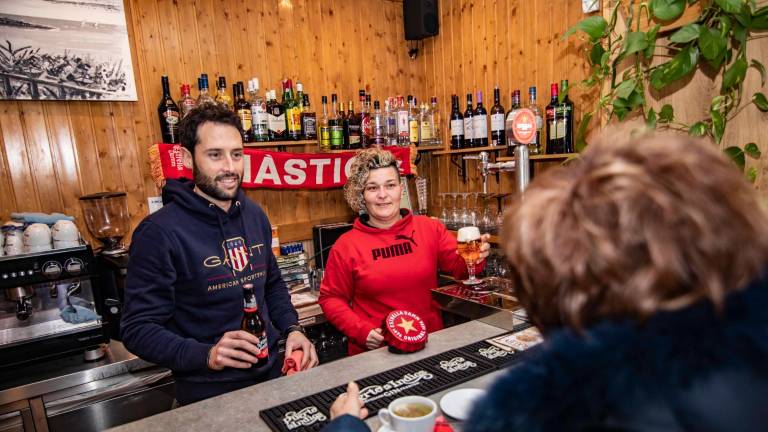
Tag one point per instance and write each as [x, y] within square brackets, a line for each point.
[253, 324]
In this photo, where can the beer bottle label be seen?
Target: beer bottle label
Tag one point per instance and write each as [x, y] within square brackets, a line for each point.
[263, 347]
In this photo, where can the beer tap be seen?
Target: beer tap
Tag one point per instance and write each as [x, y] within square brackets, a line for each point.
[487, 167]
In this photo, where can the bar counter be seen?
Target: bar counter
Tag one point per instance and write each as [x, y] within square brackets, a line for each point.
[239, 410]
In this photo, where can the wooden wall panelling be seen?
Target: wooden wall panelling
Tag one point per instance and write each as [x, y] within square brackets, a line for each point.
[64, 158]
[40, 158]
[16, 157]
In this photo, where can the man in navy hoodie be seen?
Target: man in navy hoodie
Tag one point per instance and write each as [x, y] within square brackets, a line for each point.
[189, 261]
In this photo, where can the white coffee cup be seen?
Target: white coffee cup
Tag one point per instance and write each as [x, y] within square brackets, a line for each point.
[426, 423]
[35, 249]
[14, 245]
[64, 244]
[37, 234]
[64, 230]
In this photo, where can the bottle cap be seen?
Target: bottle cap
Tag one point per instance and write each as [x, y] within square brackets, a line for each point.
[376, 105]
[325, 99]
[299, 87]
[404, 331]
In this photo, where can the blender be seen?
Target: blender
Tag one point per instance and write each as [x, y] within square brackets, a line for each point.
[106, 215]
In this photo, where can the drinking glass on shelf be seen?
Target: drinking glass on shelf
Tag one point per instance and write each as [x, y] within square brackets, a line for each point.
[464, 218]
[487, 219]
[443, 218]
[468, 239]
[455, 212]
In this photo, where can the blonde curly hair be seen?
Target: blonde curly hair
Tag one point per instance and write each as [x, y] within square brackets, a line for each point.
[365, 161]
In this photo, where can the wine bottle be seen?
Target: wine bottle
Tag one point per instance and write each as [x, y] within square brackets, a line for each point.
[497, 120]
[480, 123]
[457, 124]
[169, 115]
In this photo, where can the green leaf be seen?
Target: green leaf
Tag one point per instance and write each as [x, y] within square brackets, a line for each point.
[711, 44]
[650, 119]
[736, 155]
[625, 88]
[651, 36]
[697, 129]
[752, 150]
[760, 68]
[730, 6]
[593, 26]
[718, 125]
[686, 34]
[740, 34]
[760, 101]
[667, 114]
[635, 41]
[596, 54]
[581, 142]
[759, 22]
[681, 65]
[752, 174]
[735, 74]
[667, 10]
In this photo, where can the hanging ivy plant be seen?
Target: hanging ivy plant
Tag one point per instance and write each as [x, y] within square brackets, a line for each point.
[717, 38]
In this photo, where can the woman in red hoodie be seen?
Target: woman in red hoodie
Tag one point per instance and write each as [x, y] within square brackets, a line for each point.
[389, 260]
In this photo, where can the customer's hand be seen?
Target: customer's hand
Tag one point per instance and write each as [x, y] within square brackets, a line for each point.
[297, 340]
[235, 349]
[375, 339]
[485, 248]
[349, 403]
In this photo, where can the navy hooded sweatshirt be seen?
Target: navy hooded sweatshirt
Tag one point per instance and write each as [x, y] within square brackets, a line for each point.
[189, 261]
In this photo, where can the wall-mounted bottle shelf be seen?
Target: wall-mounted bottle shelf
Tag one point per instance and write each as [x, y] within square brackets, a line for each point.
[471, 150]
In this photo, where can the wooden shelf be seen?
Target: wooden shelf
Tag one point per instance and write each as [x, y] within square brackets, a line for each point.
[429, 148]
[494, 239]
[542, 158]
[471, 150]
[280, 143]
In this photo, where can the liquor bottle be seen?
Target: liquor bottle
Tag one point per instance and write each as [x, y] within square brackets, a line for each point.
[414, 121]
[555, 123]
[325, 128]
[243, 110]
[259, 114]
[335, 123]
[204, 97]
[344, 126]
[300, 96]
[169, 115]
[534, 147]
[480, 123]
[292, 112]
[378, 125]
[469, 126]
[402, 122]
[186, 103]
[436, 120]
[254, 324]
[365, 120]
[308, 120]
[513, 111]
[457, 124]
[366, 124]
[352, 128]
[276, 119]
[391, 112]
[497, 120]
[567, 106]
[426, 135]
[222, 98]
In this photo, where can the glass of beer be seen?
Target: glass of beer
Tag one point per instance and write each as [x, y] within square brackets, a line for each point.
[469, 248]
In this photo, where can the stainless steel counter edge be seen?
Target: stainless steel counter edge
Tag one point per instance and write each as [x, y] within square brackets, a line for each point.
[240, 409]
[117, 361]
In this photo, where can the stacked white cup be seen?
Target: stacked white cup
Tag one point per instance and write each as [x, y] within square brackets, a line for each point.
[13, 237]
[65, 235]
[37, 238]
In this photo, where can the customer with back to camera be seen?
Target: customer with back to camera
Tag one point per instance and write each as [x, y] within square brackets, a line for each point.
[644, 265]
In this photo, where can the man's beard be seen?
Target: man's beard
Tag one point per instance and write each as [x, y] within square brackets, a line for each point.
[208, 184]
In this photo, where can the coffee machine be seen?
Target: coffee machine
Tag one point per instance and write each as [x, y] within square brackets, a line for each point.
[50, 305]
[107, 219]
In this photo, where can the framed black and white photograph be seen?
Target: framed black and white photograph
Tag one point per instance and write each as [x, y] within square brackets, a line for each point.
[65, 50]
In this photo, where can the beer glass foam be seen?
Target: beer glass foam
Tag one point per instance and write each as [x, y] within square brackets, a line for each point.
[468, 234]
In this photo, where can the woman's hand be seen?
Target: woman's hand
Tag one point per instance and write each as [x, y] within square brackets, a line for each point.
[375, 339]
[485, 248]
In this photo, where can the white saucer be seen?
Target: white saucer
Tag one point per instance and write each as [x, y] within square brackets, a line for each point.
[458, 403]
[385, 428]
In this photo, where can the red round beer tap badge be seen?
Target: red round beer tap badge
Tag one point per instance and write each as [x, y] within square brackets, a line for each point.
[405, 331]
[524, 126]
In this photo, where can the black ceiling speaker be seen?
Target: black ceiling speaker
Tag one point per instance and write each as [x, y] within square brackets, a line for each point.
[421, 19]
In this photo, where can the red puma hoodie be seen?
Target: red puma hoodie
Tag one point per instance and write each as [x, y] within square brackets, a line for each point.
[372, 271]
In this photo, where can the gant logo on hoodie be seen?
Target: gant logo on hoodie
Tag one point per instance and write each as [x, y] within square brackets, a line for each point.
[236, 254]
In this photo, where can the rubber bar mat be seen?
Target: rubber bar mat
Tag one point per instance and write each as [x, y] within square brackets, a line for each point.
[424, 377]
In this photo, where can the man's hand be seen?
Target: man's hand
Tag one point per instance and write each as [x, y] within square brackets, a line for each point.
[349, 403]
[235, 349]
[485, 248]
[297, 340]
[374, 340]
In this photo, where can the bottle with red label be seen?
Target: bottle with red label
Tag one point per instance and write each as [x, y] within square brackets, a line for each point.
[254, 324]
